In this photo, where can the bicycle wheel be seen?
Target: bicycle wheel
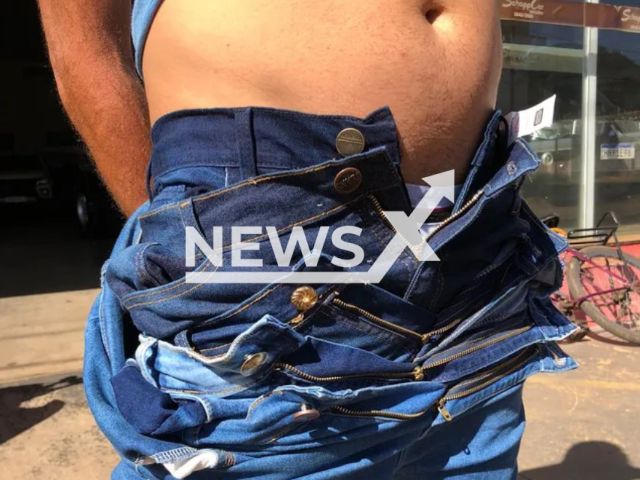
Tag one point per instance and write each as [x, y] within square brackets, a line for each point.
[616, 311]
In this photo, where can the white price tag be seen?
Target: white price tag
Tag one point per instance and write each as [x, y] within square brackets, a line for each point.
[533, 119]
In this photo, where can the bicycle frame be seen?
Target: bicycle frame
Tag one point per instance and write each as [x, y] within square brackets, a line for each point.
[598, 236]
[586, 259]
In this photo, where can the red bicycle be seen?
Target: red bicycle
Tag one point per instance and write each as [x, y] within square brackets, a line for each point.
[603, 282]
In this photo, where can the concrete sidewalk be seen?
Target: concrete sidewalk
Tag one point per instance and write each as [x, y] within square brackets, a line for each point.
[42, 335]
[582, 425]
[585, 424]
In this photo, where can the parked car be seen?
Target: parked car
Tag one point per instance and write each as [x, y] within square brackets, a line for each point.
[81, 192]
[24, 179]
[560, 150]
[617, 144]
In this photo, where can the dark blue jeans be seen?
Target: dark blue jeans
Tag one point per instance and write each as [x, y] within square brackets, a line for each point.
[418, 376]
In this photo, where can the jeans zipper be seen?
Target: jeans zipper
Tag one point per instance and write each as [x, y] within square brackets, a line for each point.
[376, 413]
[417, 374]
[423, 339]
[379, 321]
[445, 329]
[466, 207]
[480, 346]
[443, 224]
[441, 407]
[519, 362]
[380, 211]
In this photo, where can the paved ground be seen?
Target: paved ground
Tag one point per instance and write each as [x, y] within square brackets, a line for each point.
[42, 335]
[584, 425]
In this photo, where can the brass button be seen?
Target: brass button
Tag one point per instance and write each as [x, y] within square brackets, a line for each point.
[348, 180]
[306, 414]
[252, 363]
[350, 142]
[304, 298]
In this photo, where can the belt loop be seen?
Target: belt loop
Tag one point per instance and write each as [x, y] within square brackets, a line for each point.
[246, 144]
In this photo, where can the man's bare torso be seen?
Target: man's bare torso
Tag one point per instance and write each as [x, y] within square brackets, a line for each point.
[436, 63]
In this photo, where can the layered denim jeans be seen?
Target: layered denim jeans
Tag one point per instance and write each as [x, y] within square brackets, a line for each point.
[418, 376]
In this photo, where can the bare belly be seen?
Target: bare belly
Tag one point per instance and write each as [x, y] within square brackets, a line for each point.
[436, 63]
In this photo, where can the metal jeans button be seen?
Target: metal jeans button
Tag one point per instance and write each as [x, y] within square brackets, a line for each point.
[306, 414]
[347, 180]
[252, 363]
[350, 141]
[304, 298]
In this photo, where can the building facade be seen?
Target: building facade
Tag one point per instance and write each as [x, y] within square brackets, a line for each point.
[588, 54]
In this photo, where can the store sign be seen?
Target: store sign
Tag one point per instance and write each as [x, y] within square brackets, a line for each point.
[563, 12]
[523, 9]
[559, 12]
[613, 17]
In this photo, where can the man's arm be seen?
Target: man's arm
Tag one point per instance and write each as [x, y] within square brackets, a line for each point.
[90, 51]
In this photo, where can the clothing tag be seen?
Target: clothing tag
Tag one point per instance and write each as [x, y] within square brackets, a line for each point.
[531, 120]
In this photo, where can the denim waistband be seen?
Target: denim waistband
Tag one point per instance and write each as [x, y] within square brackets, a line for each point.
[242, 143]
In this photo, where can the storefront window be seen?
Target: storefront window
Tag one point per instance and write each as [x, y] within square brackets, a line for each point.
[588, 54]
[617, 178]
[541, 61]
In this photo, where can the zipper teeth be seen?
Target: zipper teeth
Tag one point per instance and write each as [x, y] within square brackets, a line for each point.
[378, 320]
[409, 416]
[477, 388]
[422, 338]
[376, 413]
[378, 207]
[456, 215]
[480, 346]
[313, 378]
[445, 328]
[489, 372]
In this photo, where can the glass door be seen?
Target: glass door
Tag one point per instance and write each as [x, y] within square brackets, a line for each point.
[617, 106]
[542, 60]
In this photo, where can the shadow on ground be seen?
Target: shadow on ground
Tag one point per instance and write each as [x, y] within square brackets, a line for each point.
[22, 407]
[588, 461]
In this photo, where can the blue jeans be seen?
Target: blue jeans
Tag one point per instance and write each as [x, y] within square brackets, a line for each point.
[418, 376]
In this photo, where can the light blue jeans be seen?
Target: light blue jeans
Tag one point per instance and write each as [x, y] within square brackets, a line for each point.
[419, 376]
